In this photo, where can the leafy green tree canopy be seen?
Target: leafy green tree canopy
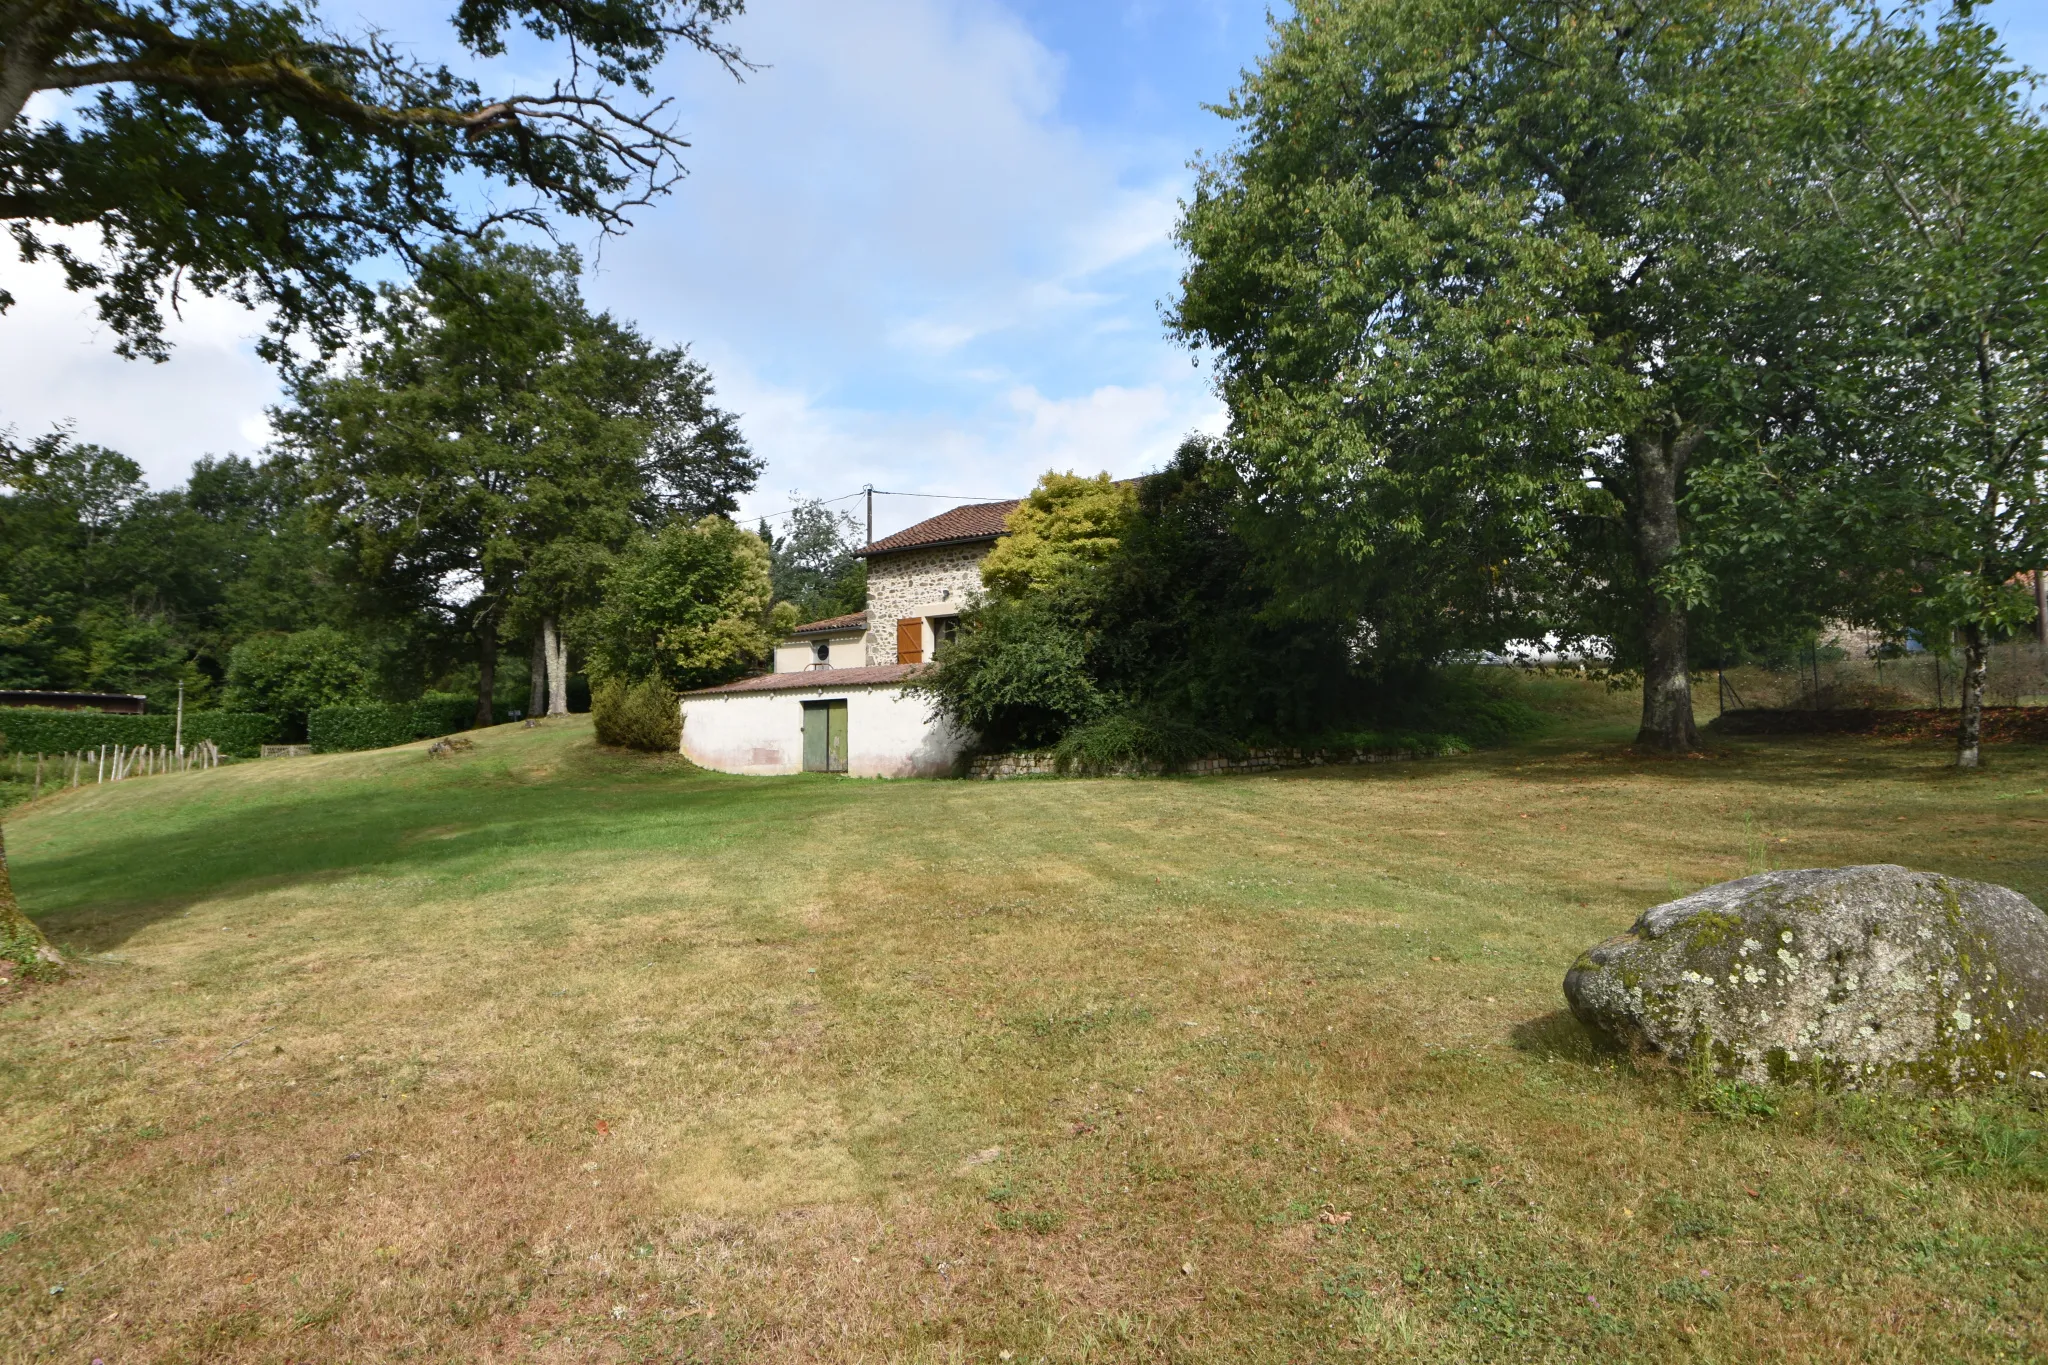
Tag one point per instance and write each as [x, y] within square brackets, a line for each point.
[1943, 190]
[816, 569]
[141, 591]
[1486, 280]
[690, 605]
[1142, 608]
[244, 148]
[494, 444]
[1067, 524]
[1017, 674]
[289, 676]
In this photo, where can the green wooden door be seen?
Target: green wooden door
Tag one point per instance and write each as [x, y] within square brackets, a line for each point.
[824, 736]
[815, 739]
[835, 737]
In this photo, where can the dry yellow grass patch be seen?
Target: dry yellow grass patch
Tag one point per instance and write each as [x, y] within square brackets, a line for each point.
[548, 1054]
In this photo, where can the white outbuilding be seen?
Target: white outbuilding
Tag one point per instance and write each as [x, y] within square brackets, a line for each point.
[858, 721]
[837, 701]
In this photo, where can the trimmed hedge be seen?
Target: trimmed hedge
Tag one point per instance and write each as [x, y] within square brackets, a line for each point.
[443, 713]
[44, 730]
[345, 729]
[340, 729]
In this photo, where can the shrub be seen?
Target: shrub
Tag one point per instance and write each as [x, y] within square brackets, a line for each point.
[239, 734]
[641, 715]
[1017, 674]
[1389, 742]
[37, 730]
[1465, 704]
[1134, 738]
[290, 676]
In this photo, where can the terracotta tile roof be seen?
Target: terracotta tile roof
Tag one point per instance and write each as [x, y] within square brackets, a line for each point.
[834, 625]
[812, 679]
[962, 525]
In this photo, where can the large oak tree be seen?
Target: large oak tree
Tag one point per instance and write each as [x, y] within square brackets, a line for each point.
[1487, 281]
[493, 444]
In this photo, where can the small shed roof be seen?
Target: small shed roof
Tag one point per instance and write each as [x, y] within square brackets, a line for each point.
[813, 679]
[835, 625]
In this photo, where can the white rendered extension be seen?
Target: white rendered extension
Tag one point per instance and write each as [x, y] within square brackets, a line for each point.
[889, 732]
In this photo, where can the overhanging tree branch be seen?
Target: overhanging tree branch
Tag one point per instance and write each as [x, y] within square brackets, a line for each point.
[232, 143]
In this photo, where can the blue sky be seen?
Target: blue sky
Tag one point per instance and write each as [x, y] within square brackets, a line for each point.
[925, 247]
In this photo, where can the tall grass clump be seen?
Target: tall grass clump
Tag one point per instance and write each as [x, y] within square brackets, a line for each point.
[1137, 738]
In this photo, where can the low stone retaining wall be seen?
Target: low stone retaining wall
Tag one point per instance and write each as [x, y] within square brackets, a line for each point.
[996, 767]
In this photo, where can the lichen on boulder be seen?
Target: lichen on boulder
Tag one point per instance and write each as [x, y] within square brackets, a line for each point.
[1872, 976]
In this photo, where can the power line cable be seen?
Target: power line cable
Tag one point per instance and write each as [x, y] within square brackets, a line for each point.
[822, 502]
[954, 497]
[880, 493]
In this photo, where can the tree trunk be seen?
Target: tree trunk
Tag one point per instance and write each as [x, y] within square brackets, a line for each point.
[2041, 605]
[558, 668]
[486, 671]
[537, 678]
[32, 33]
[21, 943]
[1659, 461]
[1970, 733]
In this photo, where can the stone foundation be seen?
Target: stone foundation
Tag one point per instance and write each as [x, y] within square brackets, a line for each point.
[996, 767]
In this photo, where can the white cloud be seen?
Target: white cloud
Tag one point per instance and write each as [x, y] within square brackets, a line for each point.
[903, 264]
[997, 451]
[57, 364]
[906, 268]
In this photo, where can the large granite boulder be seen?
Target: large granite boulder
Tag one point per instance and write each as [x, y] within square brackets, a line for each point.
[1877, 975]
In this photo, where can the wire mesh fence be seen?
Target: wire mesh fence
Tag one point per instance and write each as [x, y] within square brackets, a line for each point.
[1846, 675]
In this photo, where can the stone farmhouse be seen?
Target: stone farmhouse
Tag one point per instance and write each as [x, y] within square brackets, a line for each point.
[836, 700]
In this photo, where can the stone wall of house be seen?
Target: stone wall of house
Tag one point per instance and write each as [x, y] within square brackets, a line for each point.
[995, 767]
[914, 578]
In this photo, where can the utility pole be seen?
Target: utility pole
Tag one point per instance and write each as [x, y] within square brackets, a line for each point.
[869, 489]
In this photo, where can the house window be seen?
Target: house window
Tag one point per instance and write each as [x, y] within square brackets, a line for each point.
[944, 628]
[821, 652]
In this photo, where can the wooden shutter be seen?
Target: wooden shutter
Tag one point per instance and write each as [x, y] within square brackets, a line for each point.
[910, 640]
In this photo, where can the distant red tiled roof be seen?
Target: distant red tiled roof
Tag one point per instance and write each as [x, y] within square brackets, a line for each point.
[813, 678]
[833, 625]
[961, 526]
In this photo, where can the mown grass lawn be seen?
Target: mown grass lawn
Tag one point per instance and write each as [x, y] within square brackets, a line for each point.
[545, 1053]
